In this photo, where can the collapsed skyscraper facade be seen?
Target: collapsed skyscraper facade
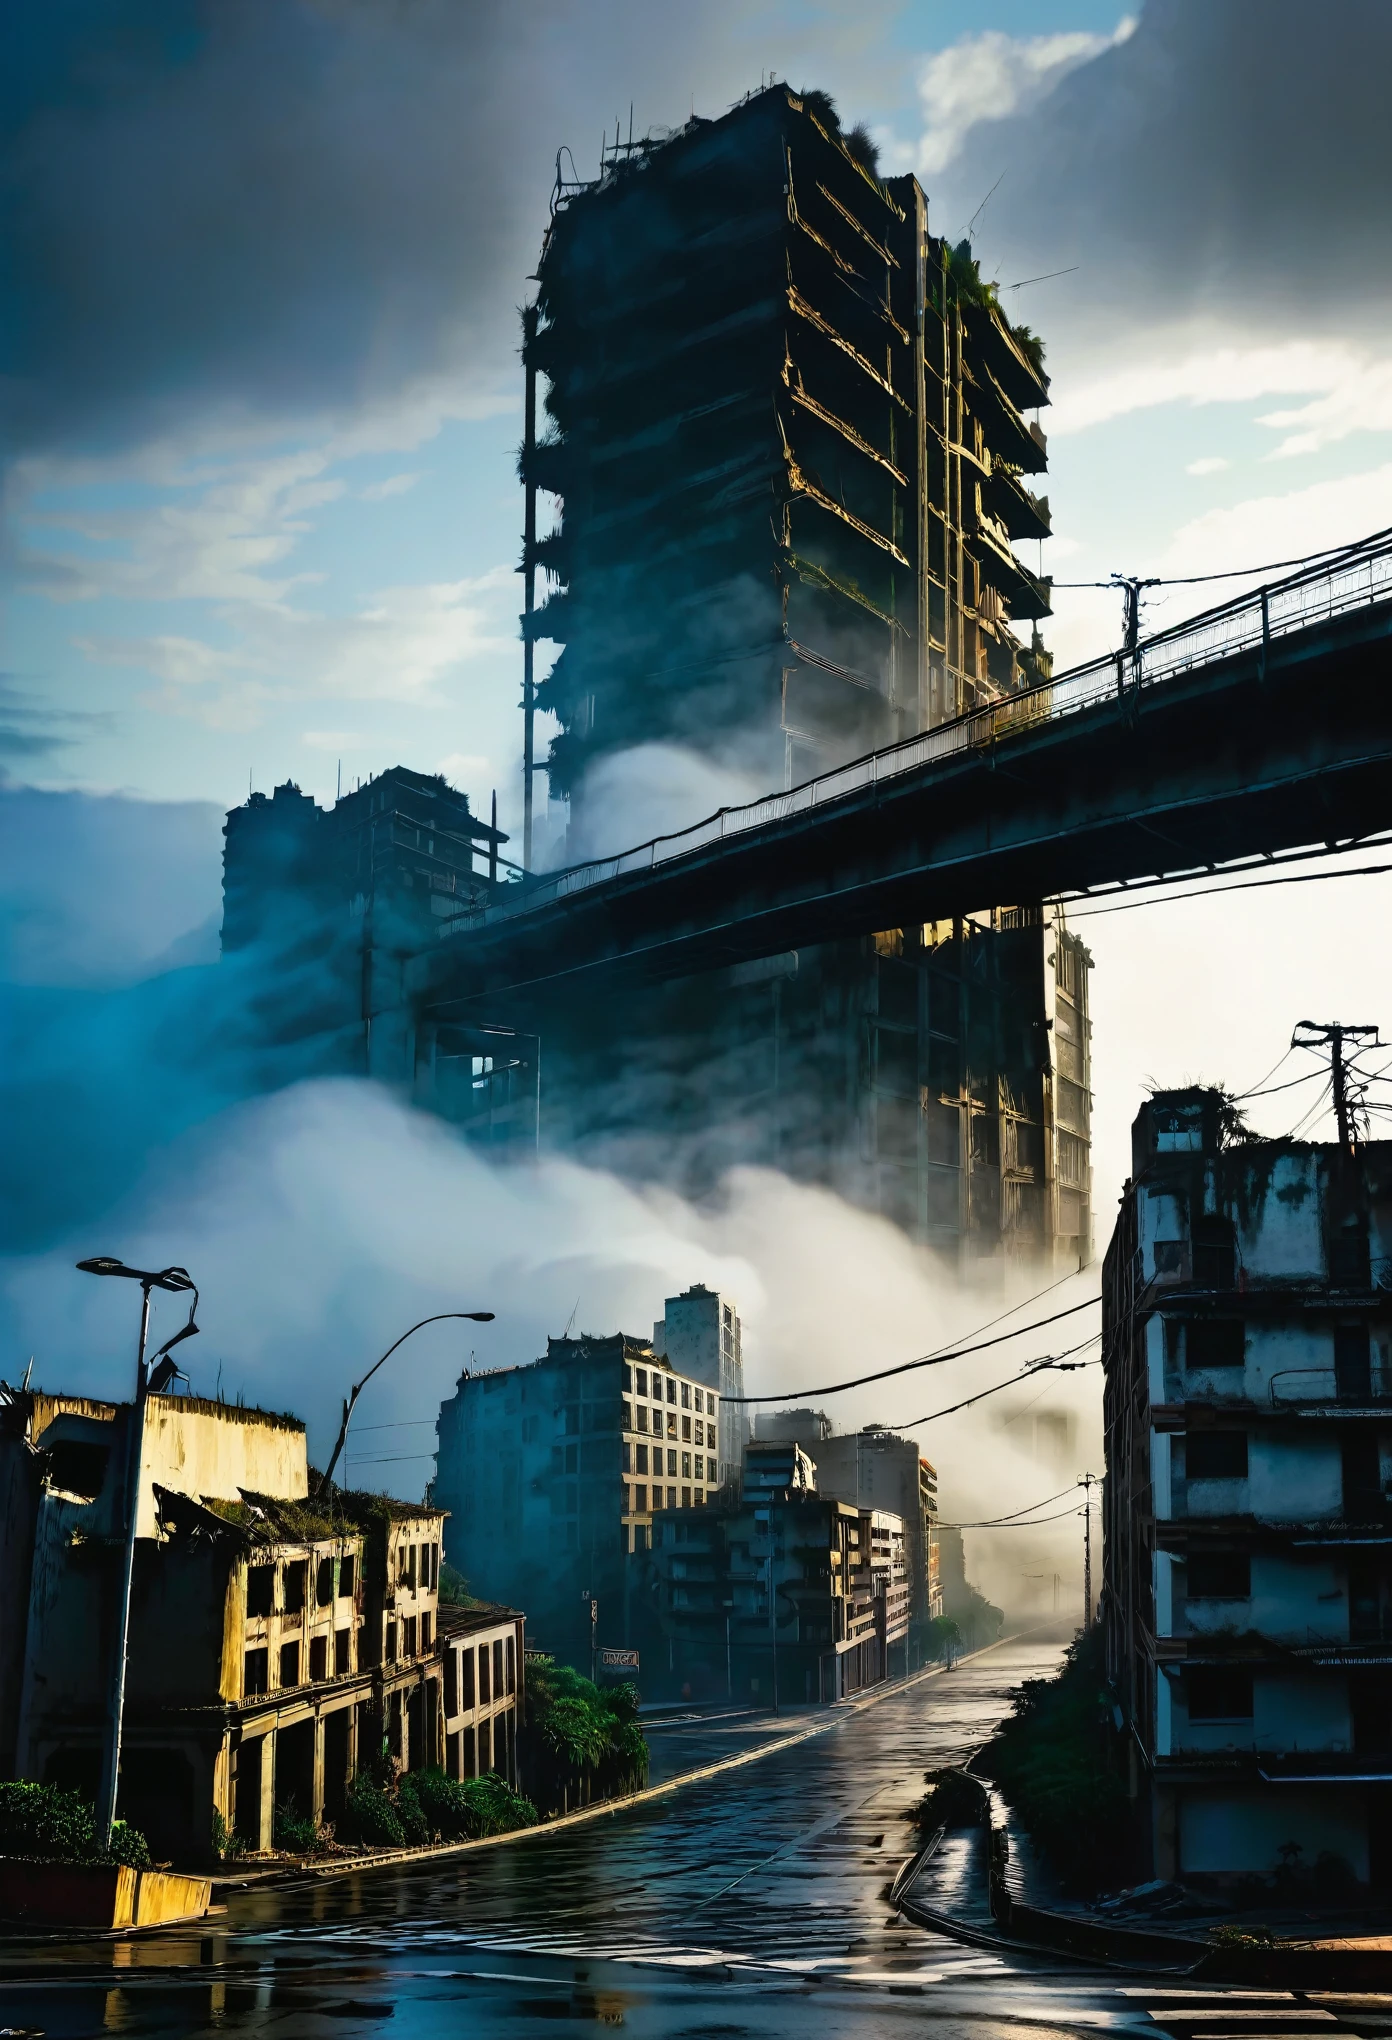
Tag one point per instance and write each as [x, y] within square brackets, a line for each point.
[787, 450]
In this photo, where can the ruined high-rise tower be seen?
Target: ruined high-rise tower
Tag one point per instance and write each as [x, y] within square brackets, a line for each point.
[787, 438]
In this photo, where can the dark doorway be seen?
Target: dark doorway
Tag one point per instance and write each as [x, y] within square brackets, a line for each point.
[294, 1770]
[336, 1762]
[246, 1792]
[156, 1796]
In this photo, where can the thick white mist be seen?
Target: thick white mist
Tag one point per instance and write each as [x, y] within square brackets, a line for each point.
[320, 1222]
[628, 797]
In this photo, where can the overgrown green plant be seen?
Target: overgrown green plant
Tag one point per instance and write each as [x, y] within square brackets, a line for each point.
[47, 1823]
[953, 1799]
[944, 1637]
[293, 1831]
[370, 1815]
[1055, 1759]
[458, 1809]
[583, 1740]
[228, 1845]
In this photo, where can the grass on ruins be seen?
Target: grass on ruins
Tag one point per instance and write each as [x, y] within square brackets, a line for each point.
[46, 1824]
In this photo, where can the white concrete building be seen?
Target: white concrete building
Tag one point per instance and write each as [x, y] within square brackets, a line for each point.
[1247, 1324]
[700, 1337]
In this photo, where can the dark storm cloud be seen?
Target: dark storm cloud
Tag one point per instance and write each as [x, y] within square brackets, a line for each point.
[286, 207]
[1232, 158]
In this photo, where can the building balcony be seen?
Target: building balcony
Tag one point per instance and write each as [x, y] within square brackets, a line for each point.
[1330, 1391]
[1007, 360]
[1021, 513]
[1026, 595]
[1007, 435]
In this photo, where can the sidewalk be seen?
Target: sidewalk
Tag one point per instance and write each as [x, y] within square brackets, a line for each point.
[951, 1890]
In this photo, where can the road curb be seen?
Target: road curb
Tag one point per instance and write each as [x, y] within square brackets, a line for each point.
[310, 1873]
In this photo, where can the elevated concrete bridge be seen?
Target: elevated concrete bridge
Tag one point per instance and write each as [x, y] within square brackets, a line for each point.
[1261, 726]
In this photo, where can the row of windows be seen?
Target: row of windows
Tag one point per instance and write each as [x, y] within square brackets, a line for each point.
[635, 1460]
[697, 1398]
[636, 1498]
[470, 1755]
[294, 1585]
[704, 1432]
[416, 1634]
[1209, 1343]
[256, 1667]
[496, 1674]
[418, 1564]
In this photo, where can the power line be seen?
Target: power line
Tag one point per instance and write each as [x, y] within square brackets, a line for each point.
[937, 1359]
[1057, 1363]
[1244, 885]
[1231, 573]
[991, 1521]
[1023, 1304]
[1036, 1524]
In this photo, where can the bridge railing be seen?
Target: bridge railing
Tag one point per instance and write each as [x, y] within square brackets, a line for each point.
[1353, 579]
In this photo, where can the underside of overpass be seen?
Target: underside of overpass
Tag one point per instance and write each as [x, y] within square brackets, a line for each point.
[1277, 745]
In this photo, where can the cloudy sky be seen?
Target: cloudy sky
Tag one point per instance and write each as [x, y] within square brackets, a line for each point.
[260, 398]
[261, 395]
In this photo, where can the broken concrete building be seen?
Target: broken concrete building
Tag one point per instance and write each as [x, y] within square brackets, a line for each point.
[875, 1468]
[784, 1594]
[1247, 1596]
[274, 1639]
[555, 1473]
[787, 450]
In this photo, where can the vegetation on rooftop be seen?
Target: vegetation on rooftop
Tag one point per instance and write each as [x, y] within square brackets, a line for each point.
[973, 288]
[857, 141]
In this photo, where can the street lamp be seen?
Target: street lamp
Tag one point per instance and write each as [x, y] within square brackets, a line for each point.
[478, 1317]
[151, 1381]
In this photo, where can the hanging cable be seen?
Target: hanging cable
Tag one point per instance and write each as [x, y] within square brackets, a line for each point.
[1247, 885]
[937, 1359]
[1236, 573]
[1060, 1363]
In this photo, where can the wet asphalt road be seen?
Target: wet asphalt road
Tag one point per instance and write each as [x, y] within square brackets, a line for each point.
[751, 1904]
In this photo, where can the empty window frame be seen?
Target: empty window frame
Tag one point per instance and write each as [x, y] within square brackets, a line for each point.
[1215, 1455]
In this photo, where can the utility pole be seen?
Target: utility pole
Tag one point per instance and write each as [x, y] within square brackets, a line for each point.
[1315, 1034]
[1131, 586]
[1087, 1485]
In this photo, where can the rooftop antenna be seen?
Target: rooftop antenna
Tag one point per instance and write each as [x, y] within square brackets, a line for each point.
[982, 207]
[338, 789]
[1072, 270]
[571, 1320]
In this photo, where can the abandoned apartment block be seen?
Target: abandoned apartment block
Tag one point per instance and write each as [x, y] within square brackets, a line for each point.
[774, 510]
[790, 1595]
[553, 1474]
[1248, 1528]
[276, 1640]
